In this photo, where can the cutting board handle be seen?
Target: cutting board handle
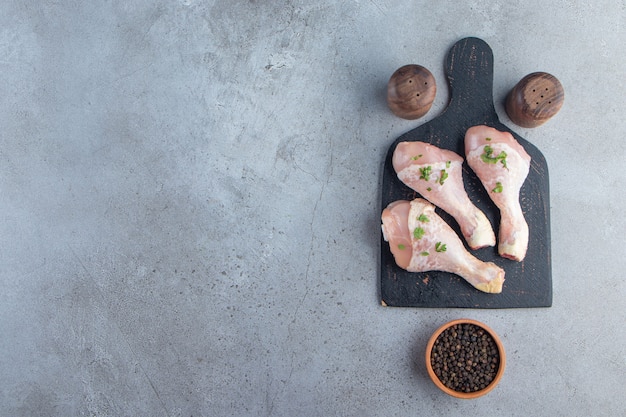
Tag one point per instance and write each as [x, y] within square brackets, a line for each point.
[469, 70]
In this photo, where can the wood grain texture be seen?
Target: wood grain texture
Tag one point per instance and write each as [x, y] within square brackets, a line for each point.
[411, 91]
[535, 99]
[469, 72]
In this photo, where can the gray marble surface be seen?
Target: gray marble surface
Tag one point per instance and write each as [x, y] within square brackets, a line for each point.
[190, 208]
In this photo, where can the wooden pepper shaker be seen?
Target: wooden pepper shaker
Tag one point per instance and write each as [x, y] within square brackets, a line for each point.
[535, 99]
[411, 91]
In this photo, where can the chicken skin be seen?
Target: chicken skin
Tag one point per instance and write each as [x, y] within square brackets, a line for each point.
[437, 174]
[420, 241]
[502, 166]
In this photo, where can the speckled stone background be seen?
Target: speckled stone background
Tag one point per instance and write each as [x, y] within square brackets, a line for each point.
[190, 208]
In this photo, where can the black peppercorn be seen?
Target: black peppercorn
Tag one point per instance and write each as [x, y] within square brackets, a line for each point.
[465, 358]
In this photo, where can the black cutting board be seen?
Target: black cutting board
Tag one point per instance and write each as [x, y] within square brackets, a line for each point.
[469, 72]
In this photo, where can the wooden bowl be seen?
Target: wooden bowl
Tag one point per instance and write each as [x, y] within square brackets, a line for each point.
[458, 394]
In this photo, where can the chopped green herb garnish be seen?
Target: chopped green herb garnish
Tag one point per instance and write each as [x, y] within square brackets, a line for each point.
[424, 253]
[425, 173]
[416, 157]
[488, 139]
[502, 158]
[440, 247]
[429, 189]
[401, 246]
[418, 233]
[488, 157]
[498, 188]
[448, 164]
[443, 176]
[423, 218]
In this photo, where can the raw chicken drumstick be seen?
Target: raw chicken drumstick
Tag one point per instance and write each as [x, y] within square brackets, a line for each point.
[502, 165]
[437, 174]
[422, 241]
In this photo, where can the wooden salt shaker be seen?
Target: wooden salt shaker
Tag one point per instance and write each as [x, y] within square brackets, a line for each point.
[411, 91]
[535, 99]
